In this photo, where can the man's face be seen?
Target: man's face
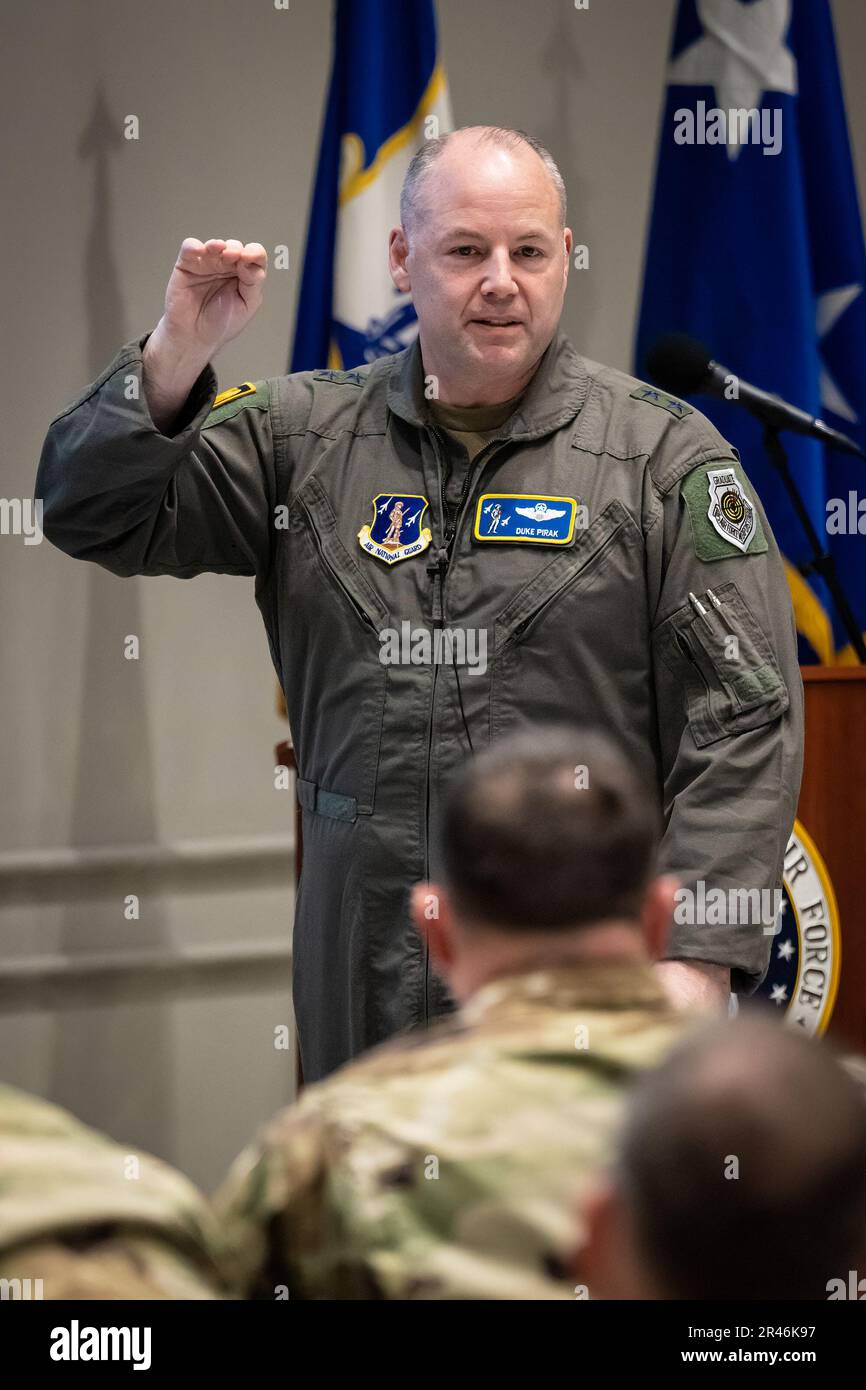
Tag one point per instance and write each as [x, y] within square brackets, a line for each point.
[486, 245]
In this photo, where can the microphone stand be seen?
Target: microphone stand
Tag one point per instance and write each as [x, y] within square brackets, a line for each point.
[822, 562]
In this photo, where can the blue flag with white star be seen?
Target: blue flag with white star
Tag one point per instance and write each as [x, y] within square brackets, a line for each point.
[756, 247]
[387, 93]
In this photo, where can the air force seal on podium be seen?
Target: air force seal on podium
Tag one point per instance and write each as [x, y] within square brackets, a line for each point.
[396, 532]
[803, 974]
[730, 511]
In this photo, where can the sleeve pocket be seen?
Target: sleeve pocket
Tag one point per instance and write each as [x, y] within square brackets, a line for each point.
[732, 679]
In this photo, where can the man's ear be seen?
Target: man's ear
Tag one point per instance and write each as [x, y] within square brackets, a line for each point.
[398, 250]
[657, 913]
[568, 241]
[434, 922]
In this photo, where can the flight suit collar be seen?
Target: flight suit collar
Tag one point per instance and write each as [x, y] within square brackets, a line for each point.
[588, 985]
[552, 398]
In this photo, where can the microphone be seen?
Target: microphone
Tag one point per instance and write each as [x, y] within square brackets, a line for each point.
[683, 366]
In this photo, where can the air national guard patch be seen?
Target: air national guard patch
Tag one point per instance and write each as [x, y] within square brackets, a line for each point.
[524, 516]
[396, 532]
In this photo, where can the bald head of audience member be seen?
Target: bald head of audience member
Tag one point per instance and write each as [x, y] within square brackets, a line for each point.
[741, 1174]
[548, 844]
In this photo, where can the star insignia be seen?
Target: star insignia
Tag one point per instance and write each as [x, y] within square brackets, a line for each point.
[742, 55]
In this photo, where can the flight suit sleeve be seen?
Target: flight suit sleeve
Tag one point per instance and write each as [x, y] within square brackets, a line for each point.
[114, 490]
[729, 704]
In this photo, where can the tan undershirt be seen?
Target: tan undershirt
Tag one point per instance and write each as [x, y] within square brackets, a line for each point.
[471, 426]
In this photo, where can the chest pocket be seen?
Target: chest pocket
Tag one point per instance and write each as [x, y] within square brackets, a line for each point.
[573, 566]
[335, 617]
[339, 567]
[731, 678]
[546, 636]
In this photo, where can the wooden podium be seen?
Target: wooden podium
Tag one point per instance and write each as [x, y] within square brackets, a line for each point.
[832, 812]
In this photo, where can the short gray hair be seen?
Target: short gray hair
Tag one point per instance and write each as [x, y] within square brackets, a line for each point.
[431, 150]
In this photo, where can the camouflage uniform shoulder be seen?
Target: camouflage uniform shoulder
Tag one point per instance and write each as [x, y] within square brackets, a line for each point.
[446, 1163]
[631, 420]
[23, 1113]
[625, 1034]
[320, 1106]
[59, 1176]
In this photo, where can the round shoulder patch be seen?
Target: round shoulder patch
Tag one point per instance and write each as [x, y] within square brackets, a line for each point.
[803, 976]
[722, 511]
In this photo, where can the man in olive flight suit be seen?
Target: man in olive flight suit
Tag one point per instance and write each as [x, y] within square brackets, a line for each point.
[572, 544]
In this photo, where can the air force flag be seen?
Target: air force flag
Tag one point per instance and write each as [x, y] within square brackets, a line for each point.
[387, 92]
[756, 247]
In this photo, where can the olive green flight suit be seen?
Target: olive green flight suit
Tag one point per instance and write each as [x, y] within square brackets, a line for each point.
[278, 481]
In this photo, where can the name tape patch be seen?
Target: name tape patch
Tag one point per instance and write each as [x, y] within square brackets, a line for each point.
[525, 516]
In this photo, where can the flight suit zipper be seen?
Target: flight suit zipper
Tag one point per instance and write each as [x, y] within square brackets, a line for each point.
[437, 568]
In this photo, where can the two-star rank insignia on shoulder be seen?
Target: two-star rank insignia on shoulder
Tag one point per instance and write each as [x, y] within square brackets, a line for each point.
[678, 409]
[350, 378]
[244, 397]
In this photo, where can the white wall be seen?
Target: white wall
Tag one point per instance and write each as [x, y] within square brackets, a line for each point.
[96, 751]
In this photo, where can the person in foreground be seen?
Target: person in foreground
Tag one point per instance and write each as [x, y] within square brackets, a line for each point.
[450, 1164]
[83, 1217]
[741, 1174]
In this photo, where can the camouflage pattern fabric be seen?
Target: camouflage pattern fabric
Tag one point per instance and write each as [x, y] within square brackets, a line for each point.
[74, 1216]
[450, 1164]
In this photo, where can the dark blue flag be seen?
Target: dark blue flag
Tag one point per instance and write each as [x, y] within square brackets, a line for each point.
[387, 92]
[756, 247]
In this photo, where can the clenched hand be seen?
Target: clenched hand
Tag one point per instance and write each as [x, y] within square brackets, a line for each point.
[214, 290]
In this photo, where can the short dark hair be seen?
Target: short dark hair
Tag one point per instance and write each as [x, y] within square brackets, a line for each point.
[529, 840]
[781, 1105]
